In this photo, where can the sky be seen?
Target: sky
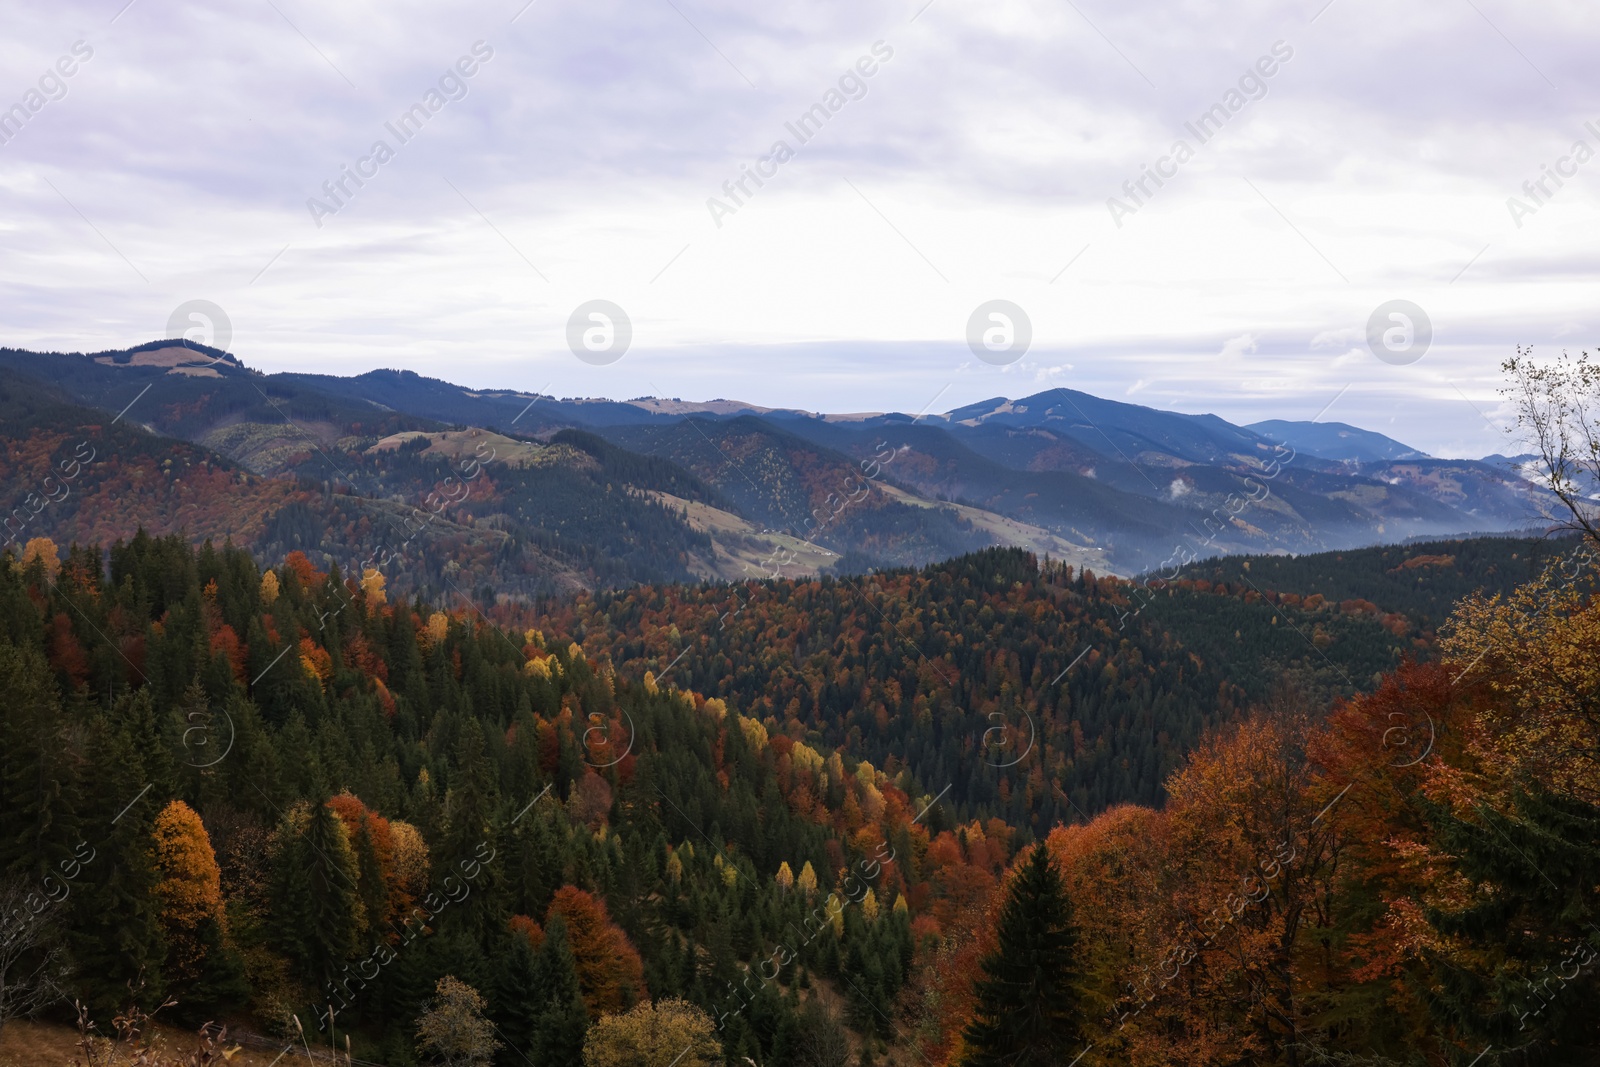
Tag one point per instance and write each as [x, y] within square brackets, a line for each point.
[1357, 153]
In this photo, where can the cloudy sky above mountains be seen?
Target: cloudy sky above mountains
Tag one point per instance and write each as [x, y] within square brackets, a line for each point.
[576, 162]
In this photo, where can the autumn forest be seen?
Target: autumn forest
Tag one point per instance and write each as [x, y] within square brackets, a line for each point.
[1337, 808]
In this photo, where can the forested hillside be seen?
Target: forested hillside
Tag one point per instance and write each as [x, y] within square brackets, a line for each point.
[288, 781]
[1422, 580]
[960, 669]
[460, 510]
[788, 483]
[69, 468]
[575, 500]
[1413, 879]
[451, 512]
[275, 790]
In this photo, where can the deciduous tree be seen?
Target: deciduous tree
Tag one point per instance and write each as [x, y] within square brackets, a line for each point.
[609, 969]
[453, 1031]
[662, 1034]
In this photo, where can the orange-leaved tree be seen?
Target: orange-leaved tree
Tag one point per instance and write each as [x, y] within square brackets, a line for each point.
[190, 888]
[610, 972]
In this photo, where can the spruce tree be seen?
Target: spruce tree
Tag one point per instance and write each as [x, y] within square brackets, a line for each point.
[370, 884]
[560, 1021]
[316, 909]
[221, 983]
[37, 779]
[115, 934]
[512, 1000]
[470, 834]
[1542, 859]
[1028, 1003]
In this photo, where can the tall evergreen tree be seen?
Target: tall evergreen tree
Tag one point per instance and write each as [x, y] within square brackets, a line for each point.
[316, 909]
[1028, 1004]
[558, 1019]
[370, 884]
[512, 1000]
[1542, 859]
[115, 935]
[37, 830]
[470, 835]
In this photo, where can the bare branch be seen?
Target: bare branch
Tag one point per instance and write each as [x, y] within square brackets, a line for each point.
[1555, 404]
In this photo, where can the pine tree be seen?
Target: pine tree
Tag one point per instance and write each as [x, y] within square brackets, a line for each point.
[1028, 1005]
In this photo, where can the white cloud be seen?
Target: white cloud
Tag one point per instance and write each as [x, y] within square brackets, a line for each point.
[1235, 347]
[976, 166]
[1344, 335]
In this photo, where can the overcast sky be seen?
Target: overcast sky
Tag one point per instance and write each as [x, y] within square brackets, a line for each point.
[1375, 163]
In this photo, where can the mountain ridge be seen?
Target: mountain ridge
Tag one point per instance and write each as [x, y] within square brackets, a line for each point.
[725, 484]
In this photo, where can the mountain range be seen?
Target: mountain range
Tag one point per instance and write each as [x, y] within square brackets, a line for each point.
[503, 493]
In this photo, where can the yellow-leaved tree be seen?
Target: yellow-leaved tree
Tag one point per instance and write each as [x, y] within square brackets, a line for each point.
[453, 1030]
[437, 629]
[410, 858]
[755, 734]
[269, 588]
[190, 889]
[372, 584]
[808, 880]
[661, 1034]
[44, 550]
[1534, 651]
